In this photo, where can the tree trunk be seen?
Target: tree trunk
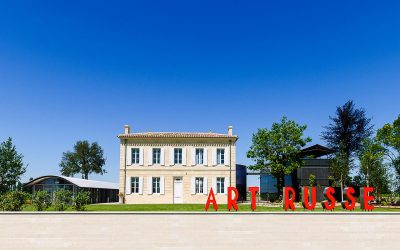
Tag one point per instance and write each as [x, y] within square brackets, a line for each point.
[86, 176]
[279, 184]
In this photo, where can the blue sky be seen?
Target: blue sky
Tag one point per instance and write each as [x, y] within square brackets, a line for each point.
[71, 70]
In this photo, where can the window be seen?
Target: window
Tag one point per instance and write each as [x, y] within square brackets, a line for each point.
[135, 185]
[156, 155]
[199, 156]
[156, 185]
[199, 181]
[135, 156]
[220, 156]
[220, 185]
[177, 156]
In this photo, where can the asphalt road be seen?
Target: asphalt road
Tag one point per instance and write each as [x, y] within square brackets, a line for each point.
[185, 231]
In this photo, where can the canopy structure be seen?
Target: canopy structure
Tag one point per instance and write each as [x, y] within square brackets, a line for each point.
[316, 151]
[100, 191]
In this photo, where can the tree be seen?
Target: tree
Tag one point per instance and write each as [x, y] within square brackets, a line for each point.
[345, 134]
[85, 159]
[11, 166]
[389, 135]
[278, 149]
[371, 156]
[341, 164]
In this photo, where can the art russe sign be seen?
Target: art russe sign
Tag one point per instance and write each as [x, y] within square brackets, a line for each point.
[289, 196]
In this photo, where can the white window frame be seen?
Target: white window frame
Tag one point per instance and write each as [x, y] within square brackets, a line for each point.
[156, 185]
[199, 156]
[220, 156]
[178, 156]
[156, 155]
[135, 184]
[135, 156]
[220, 185]
[199, 185]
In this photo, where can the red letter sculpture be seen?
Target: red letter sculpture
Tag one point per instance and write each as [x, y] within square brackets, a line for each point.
[253, 191]
[306, 203]
[328, 193]
[365, 198]
[211, 198]
[348, 194]
[232, 202]
[288, 202]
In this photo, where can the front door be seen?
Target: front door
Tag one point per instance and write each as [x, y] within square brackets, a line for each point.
[178, 192]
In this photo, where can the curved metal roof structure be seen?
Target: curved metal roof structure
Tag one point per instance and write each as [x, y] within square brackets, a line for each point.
[76, 181]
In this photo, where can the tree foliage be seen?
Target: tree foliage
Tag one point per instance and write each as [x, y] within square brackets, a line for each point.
[85, 159]
[341, 164]
[389, 135]
[11, 166]
[278, 149]
[348, 128]
[372, 167]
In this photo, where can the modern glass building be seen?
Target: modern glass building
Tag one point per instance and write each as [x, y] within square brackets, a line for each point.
[100, 192]
[316, 162]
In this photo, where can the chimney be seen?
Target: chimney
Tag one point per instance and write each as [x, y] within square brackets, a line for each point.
[230, 130]
[127, 129]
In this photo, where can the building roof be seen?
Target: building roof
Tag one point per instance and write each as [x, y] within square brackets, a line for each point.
[316, 150]
[176, 135]
[76, 181]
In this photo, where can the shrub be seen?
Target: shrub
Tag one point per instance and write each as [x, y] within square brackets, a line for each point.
[271, 197]
[12, 201]
[311, 180]
[62, 199]
[41, 200]
[81, 200]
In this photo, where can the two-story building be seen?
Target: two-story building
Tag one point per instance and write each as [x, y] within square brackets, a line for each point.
[176, 167]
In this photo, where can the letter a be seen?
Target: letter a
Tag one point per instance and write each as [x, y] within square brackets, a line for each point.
[211, 198]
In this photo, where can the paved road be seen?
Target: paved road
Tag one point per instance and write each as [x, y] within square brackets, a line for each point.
[149, 231]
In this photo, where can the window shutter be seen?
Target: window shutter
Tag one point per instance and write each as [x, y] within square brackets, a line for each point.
[205, 163]
[214, 184]
[128, 156]
[214, 156]
[183, 156]
[162, 185]
[149, 185]
[162, 156]
[150, 156]
[140, 185]
[141, 156]
[205, 186]
[227, 154]
[193, 185]
[193, 156]
[225, 186]
[171, 156]
[128, 185]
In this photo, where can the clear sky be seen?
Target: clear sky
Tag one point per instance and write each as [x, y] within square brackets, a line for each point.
[72, 71]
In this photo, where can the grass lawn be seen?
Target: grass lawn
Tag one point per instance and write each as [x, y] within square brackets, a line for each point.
[199, 208]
